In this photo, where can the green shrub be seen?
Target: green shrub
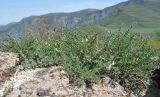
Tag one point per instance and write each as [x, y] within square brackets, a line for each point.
[124, 56]
[133, 59]
[89, 56]
[83, 56]
[34, 52]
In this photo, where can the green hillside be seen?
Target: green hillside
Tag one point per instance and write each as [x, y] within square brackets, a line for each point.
[144, 17]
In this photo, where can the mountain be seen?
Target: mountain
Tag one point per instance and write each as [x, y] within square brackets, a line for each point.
[144, 13]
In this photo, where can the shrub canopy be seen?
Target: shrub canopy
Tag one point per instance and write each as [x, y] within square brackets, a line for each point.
[88, 56]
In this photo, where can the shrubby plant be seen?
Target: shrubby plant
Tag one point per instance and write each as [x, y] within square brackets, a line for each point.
[133, 60]
[124, 56]
[87, 57]
[34, 52]
[83, 56]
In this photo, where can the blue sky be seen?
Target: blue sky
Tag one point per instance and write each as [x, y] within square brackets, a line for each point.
[15, 10]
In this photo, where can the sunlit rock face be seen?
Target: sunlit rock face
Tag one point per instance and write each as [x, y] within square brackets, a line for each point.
[53, 82]
[8, 64]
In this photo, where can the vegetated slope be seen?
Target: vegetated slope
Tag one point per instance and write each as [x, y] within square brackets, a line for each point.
[144, 13]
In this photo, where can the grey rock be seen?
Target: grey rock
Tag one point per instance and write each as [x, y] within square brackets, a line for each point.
[43, 92]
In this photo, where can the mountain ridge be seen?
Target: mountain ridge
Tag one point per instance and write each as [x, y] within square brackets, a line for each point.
[145, 12]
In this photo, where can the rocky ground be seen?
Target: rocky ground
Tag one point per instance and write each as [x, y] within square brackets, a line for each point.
[53, 82]
[8, 65]
[47, 82]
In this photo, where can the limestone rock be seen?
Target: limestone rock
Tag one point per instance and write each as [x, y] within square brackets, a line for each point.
[53, 82]
[8, 64]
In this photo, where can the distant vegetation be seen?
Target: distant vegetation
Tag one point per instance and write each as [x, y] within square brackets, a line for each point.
[91, 53]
